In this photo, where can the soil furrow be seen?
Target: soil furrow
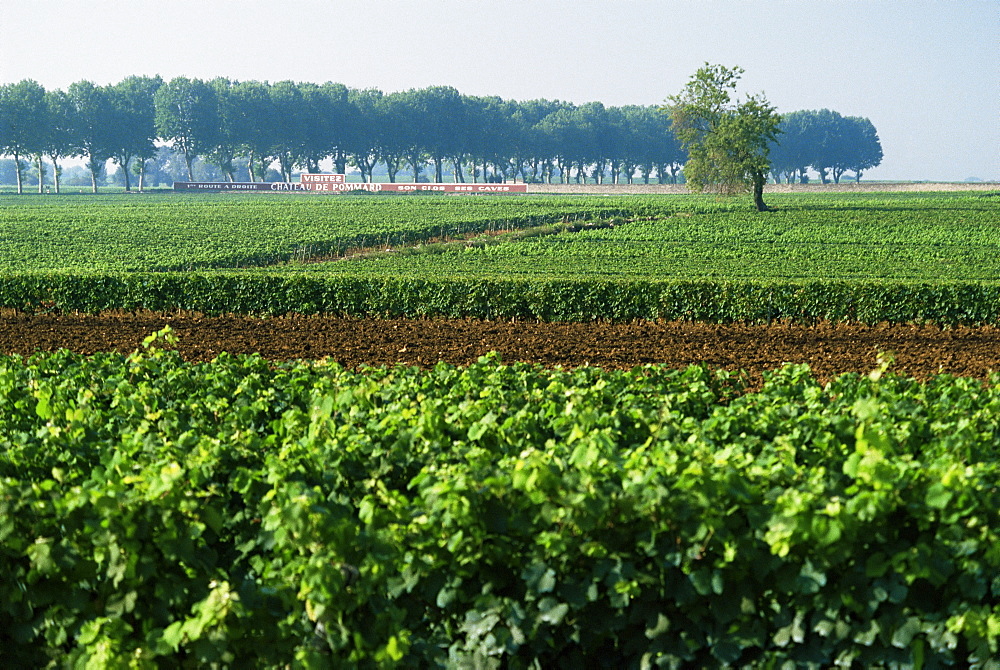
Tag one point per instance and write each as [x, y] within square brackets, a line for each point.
[829, 349]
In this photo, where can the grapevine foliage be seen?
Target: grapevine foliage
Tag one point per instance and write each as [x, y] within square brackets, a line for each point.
[509, 298]
[241, 512]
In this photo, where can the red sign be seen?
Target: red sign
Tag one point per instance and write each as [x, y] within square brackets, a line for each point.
[238, 186]
[385, 187]
[337, 183]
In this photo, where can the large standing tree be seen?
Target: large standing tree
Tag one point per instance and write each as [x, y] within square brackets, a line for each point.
[852, 144]
[528, 142]
[727, 141]
[558, 134]
[134, 117]
[59, 142]
[489, 132]
[23, 112]
[226, 148]
[825, 148]
[328, 127]
[593, 136]
[394, 138]
[791, 154]
[255, 126]
[362, 123]
[93, 126]
[289, 145]
[187, 114]
[827, 142]
[866, 148]
[435, 124]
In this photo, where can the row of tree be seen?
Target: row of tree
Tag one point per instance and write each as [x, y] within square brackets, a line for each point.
[256, 125]
[826, 142]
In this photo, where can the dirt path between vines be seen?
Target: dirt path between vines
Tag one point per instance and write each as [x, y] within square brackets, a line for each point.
[829, 349]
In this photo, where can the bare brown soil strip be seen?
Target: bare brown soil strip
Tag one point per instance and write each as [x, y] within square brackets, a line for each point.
[829, 349]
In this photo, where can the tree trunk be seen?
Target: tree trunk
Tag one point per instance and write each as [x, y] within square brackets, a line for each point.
[41, 173]
[415, 166]
[17, 170]
[56, 170]
[758, 192]
[188, 160]
[366, 165]
[124, 168]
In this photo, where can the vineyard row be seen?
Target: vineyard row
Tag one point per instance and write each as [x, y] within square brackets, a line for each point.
[545, 300]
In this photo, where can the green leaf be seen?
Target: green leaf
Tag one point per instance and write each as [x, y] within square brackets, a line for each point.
[393, 650]
[938, 496]
[477, 624]
[446, 596]
[479, 428]
[727, 651]
[173, 634]
[42, 407]
[902, 636]
[539, 578]
[660, 628]
[551, 611]
[40, 553]
[851, 464]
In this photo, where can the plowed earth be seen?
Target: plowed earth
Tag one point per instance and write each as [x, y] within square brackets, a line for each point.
[829, 349]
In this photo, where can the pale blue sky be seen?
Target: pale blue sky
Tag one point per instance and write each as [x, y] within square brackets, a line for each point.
[926, 72]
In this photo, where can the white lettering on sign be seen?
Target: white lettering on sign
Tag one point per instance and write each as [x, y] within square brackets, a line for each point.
[338, 183]
[335, 185]
[322, 178]
[340, 186]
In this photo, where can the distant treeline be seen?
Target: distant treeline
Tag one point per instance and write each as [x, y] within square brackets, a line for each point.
[249, 126]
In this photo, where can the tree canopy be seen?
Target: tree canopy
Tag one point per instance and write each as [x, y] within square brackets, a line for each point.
[727, 141]
[23, 122]
[239, 130]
